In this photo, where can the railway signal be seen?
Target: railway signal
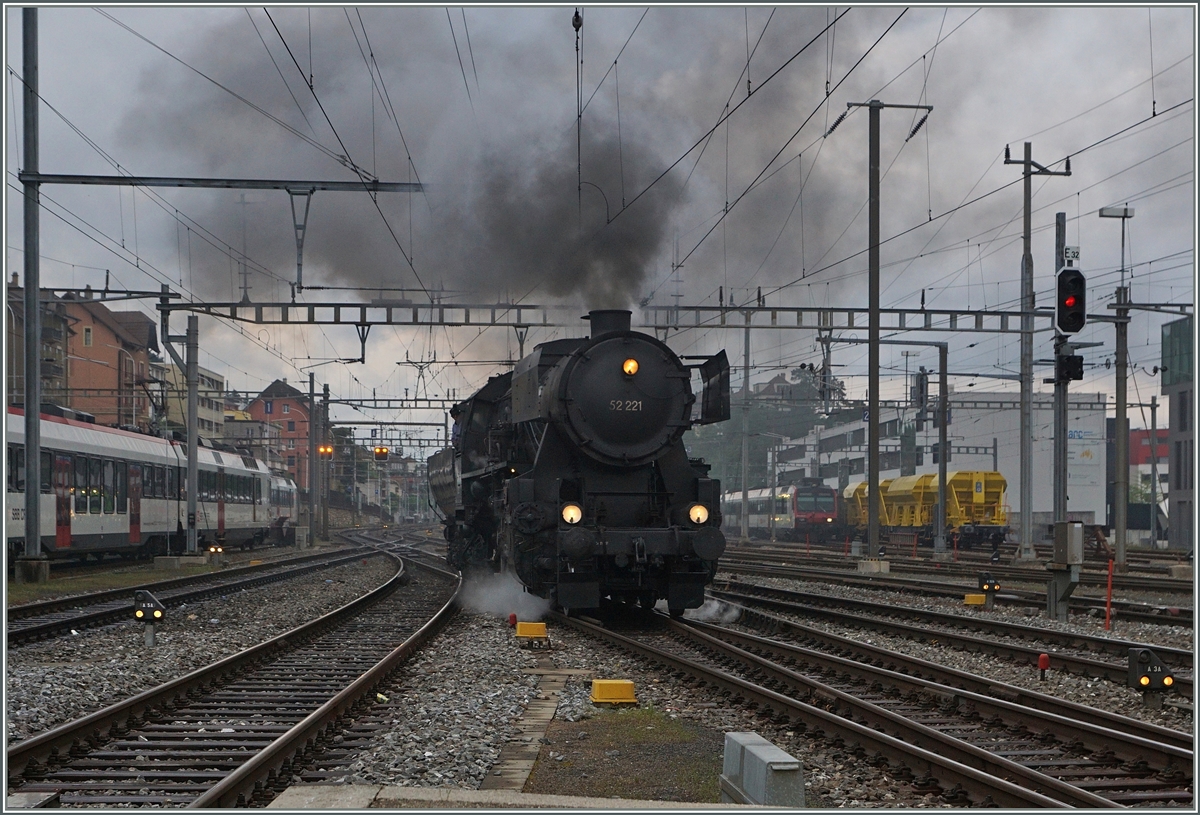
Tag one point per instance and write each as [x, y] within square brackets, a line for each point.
[381, 454]
[1147, 672]
[149, 610]
[1071, 305]
[989, 585]
[325, 452]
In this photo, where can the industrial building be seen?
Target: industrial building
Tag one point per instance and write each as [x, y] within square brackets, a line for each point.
[983, 434]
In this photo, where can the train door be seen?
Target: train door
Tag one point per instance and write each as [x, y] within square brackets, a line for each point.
[63, 473]
[221, 503]
[135, 503]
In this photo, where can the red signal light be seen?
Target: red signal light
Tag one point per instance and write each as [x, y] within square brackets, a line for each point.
[1070, 301]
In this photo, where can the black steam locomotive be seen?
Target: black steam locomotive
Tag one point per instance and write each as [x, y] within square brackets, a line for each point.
[570, 471]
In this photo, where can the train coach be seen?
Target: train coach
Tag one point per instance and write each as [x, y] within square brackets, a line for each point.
[104, 490]
[805, 511]
[975, 507]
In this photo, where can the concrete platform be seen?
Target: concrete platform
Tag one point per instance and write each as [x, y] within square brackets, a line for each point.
[375, 796]
[1181, 570]
[179, 561]
[874, 566]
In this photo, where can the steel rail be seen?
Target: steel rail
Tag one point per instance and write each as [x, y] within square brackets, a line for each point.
[915, 666]
[47, 606]
[1063, 661]
[1126, 610]
[1064, 639]
[902, 727]
[124, 608]
[928, 761]
[100, 725]
[1081, 728]
[237, 788]
[1161, 584]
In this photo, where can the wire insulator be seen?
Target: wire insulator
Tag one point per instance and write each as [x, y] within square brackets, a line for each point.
[917, 127]
[1068, 164]
[1007, 154]
[837, 122]
[577, 20]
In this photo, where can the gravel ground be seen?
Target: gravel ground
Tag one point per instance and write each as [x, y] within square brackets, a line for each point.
[475, 666]
[452, 709]
[456, 705]
[52, 682]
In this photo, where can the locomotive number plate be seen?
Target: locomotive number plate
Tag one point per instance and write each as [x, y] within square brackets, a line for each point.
[625, 404]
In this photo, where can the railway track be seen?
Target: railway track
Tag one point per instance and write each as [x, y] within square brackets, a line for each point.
[35, 621]
[233, 733]
[967, 747]
[1176, 615]
[1158, 584]
[1076, 653]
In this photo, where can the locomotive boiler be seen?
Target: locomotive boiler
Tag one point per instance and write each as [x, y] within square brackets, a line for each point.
[570, 472]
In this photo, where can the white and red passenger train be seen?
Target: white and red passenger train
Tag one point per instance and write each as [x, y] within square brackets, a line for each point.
[105, 490]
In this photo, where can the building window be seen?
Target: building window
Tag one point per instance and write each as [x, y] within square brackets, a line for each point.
[291, 461]
[87, 336]
[268, 406]
[291, 427]
[287, 408]
[291, 444]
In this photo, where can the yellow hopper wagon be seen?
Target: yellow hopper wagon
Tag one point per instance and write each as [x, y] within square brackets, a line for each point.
[975, 506]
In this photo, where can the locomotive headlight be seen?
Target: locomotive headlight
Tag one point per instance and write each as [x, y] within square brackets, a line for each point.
[698, 513]
[572, 513]
[630, 366]
[829, 520]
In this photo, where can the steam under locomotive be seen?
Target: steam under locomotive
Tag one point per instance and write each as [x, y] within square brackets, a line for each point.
[570, 471]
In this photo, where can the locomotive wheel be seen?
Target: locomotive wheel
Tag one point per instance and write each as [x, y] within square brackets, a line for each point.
[676, 613]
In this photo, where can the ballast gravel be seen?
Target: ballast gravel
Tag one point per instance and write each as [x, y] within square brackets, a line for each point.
[52, 682]
[449, 713]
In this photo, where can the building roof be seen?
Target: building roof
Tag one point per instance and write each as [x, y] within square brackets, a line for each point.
[140, 325]
[279, 389]
[101, 314]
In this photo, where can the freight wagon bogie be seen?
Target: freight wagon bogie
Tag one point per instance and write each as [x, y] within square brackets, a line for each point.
[570, 473]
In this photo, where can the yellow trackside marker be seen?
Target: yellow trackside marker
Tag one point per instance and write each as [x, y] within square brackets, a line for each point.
[530, 635]
[974, 599]
[612, 692]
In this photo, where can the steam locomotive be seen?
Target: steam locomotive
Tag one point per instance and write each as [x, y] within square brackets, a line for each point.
[570, 472]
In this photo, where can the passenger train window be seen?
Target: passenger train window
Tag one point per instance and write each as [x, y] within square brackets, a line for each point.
[81, 493]
[122, 489]
[173, 483]
[16, 465]
[108, 487]
[47, 470]
[94, 466]
[160, 482]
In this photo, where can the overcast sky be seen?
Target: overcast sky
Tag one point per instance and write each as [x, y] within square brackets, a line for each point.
[480, 106]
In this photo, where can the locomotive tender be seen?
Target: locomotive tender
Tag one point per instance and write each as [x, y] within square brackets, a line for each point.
[109, 491]
[570, 472]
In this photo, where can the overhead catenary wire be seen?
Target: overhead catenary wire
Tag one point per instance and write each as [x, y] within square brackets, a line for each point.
[362, 174]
